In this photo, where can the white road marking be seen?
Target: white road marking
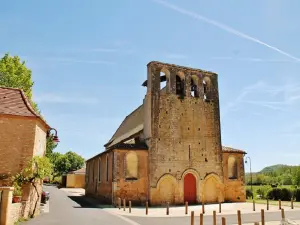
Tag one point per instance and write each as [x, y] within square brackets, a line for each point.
[124, 218]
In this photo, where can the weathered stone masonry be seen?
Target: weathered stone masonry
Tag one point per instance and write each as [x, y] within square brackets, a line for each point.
[177, 131]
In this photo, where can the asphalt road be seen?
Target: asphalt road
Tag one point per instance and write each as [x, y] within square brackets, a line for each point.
[66, 209]
[73, 210]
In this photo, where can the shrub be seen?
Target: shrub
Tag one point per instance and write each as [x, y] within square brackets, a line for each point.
[274, 194]
[263, 191]
[286, 194]
[297, 195]
[248, 193]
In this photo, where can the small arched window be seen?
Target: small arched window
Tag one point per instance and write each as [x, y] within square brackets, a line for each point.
[131, 166]
[194, 87]
[179, 86]
[232, 168]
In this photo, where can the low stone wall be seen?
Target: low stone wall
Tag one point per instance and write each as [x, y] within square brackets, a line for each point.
[15, 212]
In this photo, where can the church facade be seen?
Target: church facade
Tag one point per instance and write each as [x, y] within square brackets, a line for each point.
[169, 148]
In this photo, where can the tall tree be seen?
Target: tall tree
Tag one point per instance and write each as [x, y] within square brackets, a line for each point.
[64, 163]
[15, 74]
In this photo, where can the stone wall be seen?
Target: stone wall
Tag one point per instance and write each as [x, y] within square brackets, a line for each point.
[17, 135]
[235, 187]
[133, 189]
[40, 139]
[184, 131]
[75, 181]
[98, 184]
[15, 212]
[31, 198]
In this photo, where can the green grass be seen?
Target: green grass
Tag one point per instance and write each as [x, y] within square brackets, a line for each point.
[272, 202]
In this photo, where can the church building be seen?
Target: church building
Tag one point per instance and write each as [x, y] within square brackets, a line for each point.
[169, 148]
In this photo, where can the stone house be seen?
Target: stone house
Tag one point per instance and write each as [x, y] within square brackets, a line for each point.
[22, 132]
[23, 135]
[169, 148]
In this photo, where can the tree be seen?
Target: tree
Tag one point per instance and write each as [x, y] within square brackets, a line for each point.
[50, 146]
[38, 168]
[296, 178]
[65, 163]
[15, 74]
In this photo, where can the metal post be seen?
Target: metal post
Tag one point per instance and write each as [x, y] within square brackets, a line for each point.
[250, 174]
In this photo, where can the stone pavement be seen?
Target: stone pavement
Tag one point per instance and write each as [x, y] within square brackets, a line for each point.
[227, 209]
[157, 215]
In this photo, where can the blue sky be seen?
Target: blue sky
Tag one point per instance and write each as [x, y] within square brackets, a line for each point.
[88, 61]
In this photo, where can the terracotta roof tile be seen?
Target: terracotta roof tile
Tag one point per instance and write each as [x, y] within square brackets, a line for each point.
[229, 149]
[14, 102]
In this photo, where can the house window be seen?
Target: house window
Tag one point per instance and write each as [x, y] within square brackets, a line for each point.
[232, 168]
[99, 170]
[131, 166]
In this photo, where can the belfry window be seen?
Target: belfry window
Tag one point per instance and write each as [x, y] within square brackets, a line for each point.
[179, 86]
[194, 88]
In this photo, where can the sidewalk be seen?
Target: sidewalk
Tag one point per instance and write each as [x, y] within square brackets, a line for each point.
[227, 209]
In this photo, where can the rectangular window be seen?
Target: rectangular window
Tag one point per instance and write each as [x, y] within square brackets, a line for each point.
[107, 168]
[99, 170]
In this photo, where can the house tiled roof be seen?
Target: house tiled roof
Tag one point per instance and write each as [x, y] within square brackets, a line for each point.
[80, 171]
[14, 102]
[229, 149]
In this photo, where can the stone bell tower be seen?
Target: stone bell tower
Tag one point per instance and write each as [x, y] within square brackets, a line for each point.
[181, 124]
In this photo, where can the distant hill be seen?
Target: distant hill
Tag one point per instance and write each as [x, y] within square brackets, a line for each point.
[275, 168]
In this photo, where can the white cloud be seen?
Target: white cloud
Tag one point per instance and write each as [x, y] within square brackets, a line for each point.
[53, 98]
[247, 59]
[286, 95]
[223, 27]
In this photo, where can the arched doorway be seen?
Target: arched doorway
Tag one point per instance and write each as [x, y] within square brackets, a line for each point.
[190, 190]
[211, 192]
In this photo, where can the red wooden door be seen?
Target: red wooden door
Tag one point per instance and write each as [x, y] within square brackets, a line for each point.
[190, 194]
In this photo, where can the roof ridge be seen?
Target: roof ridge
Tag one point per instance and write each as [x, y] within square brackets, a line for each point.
[30, 108]
[27, 103]
[112, 138]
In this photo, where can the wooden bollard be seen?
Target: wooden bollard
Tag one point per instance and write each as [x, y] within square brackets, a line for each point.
[292, 204]
[201, 218]
[279, 203]
[220, 207]
[186, 207]
[256, 223]
[192, 218]
[167, 212]
[267, 204]
[214, 218]
[129, 206]
[147, 208]
[282, 214]
[223, 221]
[253, 205]
[203, 210]
[119, 203]
[239, 217]
[262, 217]
[124, 204]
